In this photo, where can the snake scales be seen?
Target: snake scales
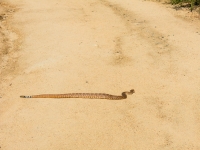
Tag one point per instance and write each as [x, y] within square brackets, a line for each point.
[83, 95]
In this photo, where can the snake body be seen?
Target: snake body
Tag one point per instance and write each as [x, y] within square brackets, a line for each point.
[83, 95]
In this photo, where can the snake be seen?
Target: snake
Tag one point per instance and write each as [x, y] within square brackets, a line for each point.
[83, 95]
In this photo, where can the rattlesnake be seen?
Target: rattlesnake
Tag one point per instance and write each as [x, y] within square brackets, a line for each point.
[83, 95]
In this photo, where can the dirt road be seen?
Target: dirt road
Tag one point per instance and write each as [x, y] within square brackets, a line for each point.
[100, 46]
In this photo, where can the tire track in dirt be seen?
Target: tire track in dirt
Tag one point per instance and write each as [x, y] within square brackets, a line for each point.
[161, 49]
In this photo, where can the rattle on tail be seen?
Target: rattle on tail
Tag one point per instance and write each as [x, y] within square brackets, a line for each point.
[83, 95]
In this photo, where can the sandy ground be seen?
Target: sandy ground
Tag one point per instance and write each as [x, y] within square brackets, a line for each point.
[101, 46]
